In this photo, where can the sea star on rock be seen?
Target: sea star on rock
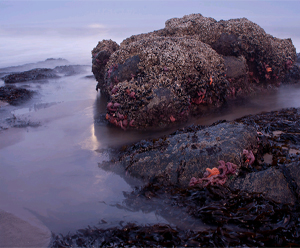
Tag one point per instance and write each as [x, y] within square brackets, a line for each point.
[250, 156]
[213, 171]
[214, 176]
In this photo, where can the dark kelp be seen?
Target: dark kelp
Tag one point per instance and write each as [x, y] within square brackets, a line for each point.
[235, 218]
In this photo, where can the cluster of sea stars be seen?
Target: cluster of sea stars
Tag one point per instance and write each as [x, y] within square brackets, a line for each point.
[215, 175]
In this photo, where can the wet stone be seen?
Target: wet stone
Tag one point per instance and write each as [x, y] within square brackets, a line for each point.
[236, 66]
[271, 182]
[227, 45]
[180, 157]
[294, 176]
[126, 71]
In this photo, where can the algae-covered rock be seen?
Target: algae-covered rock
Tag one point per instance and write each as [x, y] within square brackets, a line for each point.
[14, 95]
[42, 74]
[34, 74]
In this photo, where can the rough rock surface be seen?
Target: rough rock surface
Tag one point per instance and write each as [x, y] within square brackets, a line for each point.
[293, 173]
[191, 66]
[34, 74]
[271, 182]
[155, 81]
[276, 171]
[100, 55]
[234, 37]
[293, 76]
[182, 156]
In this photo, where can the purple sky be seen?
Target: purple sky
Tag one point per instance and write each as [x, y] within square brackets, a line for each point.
[73, 28]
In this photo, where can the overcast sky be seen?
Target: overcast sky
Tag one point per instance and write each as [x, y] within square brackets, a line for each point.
[60, 26]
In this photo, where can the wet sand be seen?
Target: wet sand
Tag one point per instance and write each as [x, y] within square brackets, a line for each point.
[17, 232]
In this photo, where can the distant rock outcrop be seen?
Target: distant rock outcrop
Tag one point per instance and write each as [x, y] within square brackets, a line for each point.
[14, 95]
[42, 74]
[192, 66]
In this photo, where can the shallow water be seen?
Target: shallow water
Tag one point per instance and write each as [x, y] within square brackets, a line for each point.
[50, 169]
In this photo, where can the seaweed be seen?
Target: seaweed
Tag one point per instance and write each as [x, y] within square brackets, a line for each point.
[237, 219]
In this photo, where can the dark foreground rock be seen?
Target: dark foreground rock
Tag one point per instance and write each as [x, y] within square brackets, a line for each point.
[42, 74]
[277, 164]
[265, 150]
[271, 181]
[180, 157]
[192, 66]
[14, 95]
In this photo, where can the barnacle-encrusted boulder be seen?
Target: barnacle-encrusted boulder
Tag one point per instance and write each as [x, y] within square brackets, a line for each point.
[154, 82]
[181, 156]
[192, 65]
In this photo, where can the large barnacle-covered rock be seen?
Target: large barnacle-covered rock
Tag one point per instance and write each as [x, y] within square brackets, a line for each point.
[160, 80]
[192, 65]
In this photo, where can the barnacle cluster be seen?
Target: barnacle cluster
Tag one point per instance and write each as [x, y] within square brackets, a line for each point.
[171, 75]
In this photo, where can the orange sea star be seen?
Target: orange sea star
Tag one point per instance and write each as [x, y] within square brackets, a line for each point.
[213, 171]
[268, 69]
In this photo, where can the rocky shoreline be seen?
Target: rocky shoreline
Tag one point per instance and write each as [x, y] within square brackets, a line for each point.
[14, 94]
[257, 206]
[259, 199]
